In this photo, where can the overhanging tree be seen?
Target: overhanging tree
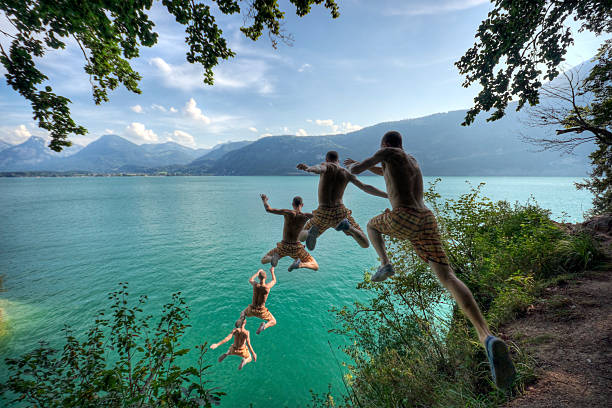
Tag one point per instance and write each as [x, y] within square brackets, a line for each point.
[522, 43]
[519, 47]
[110, 34]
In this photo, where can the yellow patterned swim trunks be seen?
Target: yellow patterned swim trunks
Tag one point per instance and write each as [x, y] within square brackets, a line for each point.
[414, 224]
[293, 250]
[262, 313]
[242, 351]
[328, 217]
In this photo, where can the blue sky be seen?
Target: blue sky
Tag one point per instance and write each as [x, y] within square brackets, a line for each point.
[379, 61]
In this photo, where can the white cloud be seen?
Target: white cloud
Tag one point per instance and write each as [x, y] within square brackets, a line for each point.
[305, 67]
[235, 74]
[136, 108]
[22, 131]
[173, 109]
[301, 132]
[324, 122]
[138, 133]
[265, 135]
[158, 107]
[343, 127]
[184, 138]
[430, 7]
[191, 110]
[15, 135]
[109, 131]
[253, 129]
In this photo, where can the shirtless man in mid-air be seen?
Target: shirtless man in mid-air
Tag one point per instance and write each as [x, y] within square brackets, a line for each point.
[242, 340]
[332, 212]
[410, 219]
[258, 308]
[290, 246]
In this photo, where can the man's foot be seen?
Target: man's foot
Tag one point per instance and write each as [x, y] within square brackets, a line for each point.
[311, 239]
[383, 273]
[274, 260]
[343, 225]
[502, 369]
[294, 265]
[261, 327]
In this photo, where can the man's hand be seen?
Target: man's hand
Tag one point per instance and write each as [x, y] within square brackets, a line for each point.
[350, 162]
[302, 166]
[254, 356]
[264, 197]
[271, 269]
[214, 346]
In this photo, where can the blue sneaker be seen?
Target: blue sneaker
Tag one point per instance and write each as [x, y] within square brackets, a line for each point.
[311, 239]
[502, 368]
[344, 225]
[274, 260]
[383, 273]
[294, 265]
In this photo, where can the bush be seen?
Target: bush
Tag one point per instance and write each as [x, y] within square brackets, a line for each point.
[410, 346]
[123, 361]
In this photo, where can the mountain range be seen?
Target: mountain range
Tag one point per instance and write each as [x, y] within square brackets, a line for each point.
[440, 144]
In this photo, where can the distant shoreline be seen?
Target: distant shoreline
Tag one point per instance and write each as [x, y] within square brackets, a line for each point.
[44, 174]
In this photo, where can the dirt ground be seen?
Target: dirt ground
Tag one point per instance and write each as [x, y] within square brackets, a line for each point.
[569, 333]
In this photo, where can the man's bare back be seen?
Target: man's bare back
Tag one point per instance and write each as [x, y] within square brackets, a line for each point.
[240, 337]
[332, 183]
[403, 178]
[294, 222]
[402, 174]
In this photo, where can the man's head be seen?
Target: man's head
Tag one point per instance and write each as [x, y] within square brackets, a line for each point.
[240, 323]
[261, 275]
[391, 139]
[331, 156]
[298, 203]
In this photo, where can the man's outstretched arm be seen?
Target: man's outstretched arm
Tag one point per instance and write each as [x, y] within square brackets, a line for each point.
[269, 209]
[317, 169]
[367, 188]
[273, 281]
[374, 169]
[225, 340]
[367, 164]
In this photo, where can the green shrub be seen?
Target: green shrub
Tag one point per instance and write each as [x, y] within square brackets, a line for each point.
[124, 361]
[410, 346]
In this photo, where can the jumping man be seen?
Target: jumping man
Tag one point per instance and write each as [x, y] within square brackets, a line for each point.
[290, 246]
[242, 340]
[411, 219]
[258, 308]
[332, 212]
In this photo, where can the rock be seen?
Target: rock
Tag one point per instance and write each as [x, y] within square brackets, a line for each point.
[600, 223]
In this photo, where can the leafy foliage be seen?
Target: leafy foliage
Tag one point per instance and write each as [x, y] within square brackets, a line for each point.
[410, 346]
[110, 33]
[123, 361]
[518, 37]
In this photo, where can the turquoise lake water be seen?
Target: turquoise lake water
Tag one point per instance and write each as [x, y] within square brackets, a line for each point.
[66, 242]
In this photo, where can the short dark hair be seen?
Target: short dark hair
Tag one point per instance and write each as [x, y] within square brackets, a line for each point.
[392, 138]
[331, 156]
[297, 201]
[239, 322]
[262, 275]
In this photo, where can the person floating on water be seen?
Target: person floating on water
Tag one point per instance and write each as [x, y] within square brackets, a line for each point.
[258, 308]
[410, 219]
[332, 212]
[290, 246]
[241, 346]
